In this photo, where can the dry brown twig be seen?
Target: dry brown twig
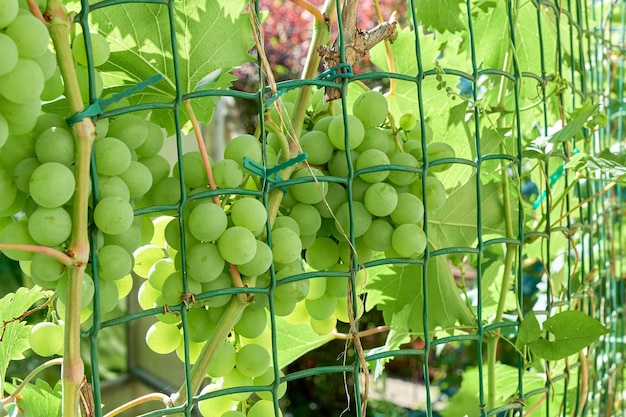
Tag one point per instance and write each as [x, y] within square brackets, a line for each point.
[357, 42]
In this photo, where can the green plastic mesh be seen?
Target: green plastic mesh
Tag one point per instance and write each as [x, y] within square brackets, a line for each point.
[594, 389]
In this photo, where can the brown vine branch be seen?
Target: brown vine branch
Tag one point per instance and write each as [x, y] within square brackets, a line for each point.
[5, 323]
[53, 253]
[362, 333]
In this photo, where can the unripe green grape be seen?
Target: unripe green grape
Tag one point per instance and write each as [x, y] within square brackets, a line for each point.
[375, 138]
[29, 34]
[172, 235]
[138, 178]
[260, 263]
[436, 151]
[52, 184]
[22, 172]
[299, 314]
[17, 233]
[341, 312]
[237, 245]
[46, 268]
[4, 130]
[195, 348]
[378, 236]
[380, 199]
[113, 262]
[87, 291]
[112, 215]
[317, 146]
[53, 87]
[85, 312]
[371, 108]
[362, 219]
[336, 132]
[50, 226]
[16, 148]
[407, 121]
[286, 110]
[309, 192]
[283, 308]
[263, 408]
[307, 217]
[200, 327]
[112, 187]
[227, 174]
[335, 197]
[8, 189]
[323, 327]
[252, 323]
[267, 378]
[166, 192]
[82, 75]
[46, 339]
[154, 141]
[224, 361]
[322, 254]
[8, 12]
[293, 291]
[322, 124]
[224, 281]
[100, 50]
[214, 406]
[244, 146]
[252, 360]
[409, 209]
[403, 177]
[193, 170]
[124, 286]
[371, 158]
[47, 63]
[109, 296]
[159, 271]
[147, 295]
[416, 133]
[163, 338]
[408, 240]
[21, 117]
[112, 156]
[145, 257]
[55, 145]
[233, 413]
[288, 222]
[159, 167]
[8, 49]
[321, 308]
[204, 262]
[130, 129]
[129, 240]
[237, 379]
[249, 213]
[435, 193]
[286, 245]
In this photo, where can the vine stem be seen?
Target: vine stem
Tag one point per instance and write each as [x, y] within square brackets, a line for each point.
[390, 61]
[59, 26]
[155, 396]
[31, 375]
[53, 253]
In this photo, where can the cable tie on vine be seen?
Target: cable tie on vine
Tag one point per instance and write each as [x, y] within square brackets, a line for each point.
[270, 174]
[275, 97]
[343, 70]
[554, 177]
[99, 105]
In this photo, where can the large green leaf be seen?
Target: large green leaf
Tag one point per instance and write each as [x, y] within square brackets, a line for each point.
[399, 293]
[294, 340]
[15, 332]
[440, 15]
[39, 399]
[572, 331]
[212, 37]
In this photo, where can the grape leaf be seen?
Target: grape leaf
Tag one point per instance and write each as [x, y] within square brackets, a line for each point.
[440, 15]
[15, 333]
[398, 292]
[294, 340]
[573, 331]
[212, 37]
[529, 330]
[39, 399]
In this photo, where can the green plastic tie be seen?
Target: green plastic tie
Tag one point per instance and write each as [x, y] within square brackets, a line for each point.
[343, 70]
[99, 105]
[270, 174]
[554, 177]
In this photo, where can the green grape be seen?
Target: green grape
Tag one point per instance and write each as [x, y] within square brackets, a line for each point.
[436, 151]
[16, 148]
[317, 146]
[288, 222]
[4, 129]
[50, 226]
[166, 192]
[214, 406]
[159, 271]
[172, 235]
[158, 166]
[323, 327]
[375, 138]
[309, 192]
[112, 187]
[17, 233]
[113, 262]
[154, 141]
[145, 257]
[193, 169]
[109, 296]
[361, 217]
[286, 245]
[55, 145]
[53, 87]
[378, 236]
[291, 292]
[100, 50]
[46, 339]
[195, 348]
[260, 263]
[381, 199]
[227, 174]
[163, 338]
[322, 124]
[409, 209]
[252, 323]
[112, 215]
[286, 112]
[29, 34]
[341, 312]
[371, 108]
[24, 83]
[85, 313]
[263, 408]
[204, 262]
[338, 164]
[233, 413]
[317, 287]
[249, 213]
[237, 245]
[8, 190]
[46, 268]
[372, 158]
[52, 184]
[172, 288]
[403, 177]
[268, 378]
[8, 50]
[223, 281]
[336, 132]
[207, 222]
[82, 75]
[16, 207]
[252, 360]
[130, 129]
[322, 254]
[283, 308]
[129, 240]
[46, 121]
[224, 361]
[200, 327]
[416, 133]
[47, 63]
[124, 286]
[307, 217]
[8, 12]
[407, 121]
[307, 240]
[237, 379]
[244, 146]
[321, 308]
[408, 240]
[138, 178]
[299, 315]
[21, 117]
[147, 295]
[112, 156]
[435, 196]
[88, 289]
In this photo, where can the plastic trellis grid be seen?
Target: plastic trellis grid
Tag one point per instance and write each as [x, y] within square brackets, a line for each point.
[601, 219]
